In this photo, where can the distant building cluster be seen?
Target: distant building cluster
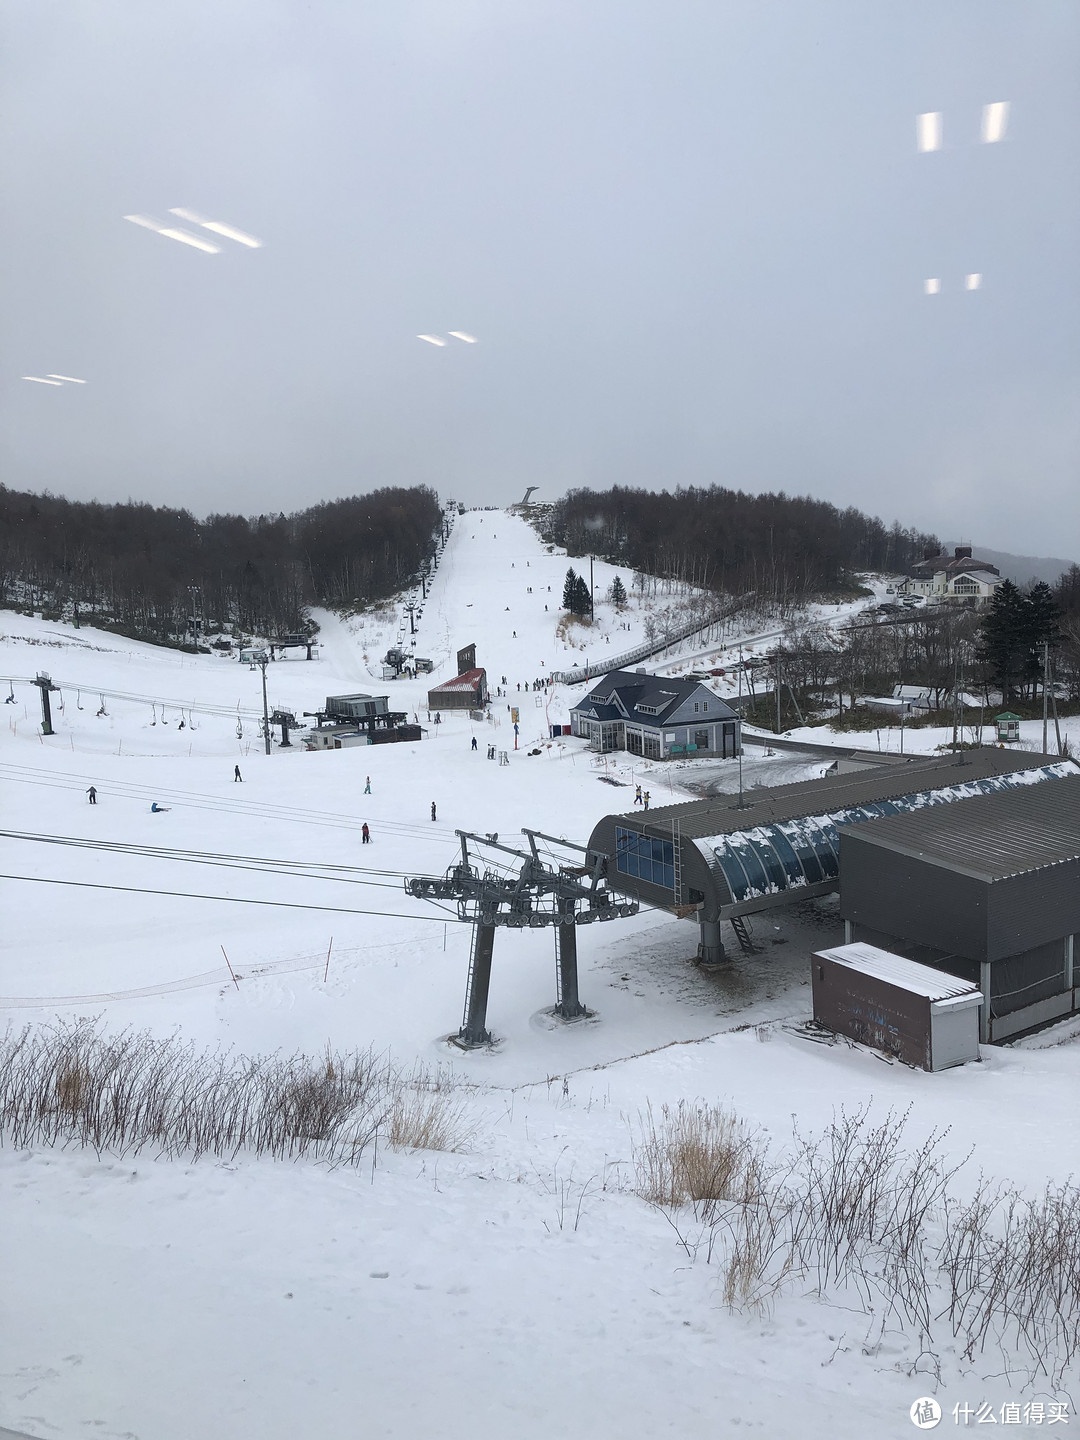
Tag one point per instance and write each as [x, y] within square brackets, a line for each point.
[959, 576]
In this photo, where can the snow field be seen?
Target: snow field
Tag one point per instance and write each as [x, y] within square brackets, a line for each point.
[520, 1287]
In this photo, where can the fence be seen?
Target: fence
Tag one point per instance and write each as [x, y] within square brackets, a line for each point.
[580, 674]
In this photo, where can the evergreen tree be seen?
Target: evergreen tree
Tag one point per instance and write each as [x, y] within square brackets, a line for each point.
[1004, 639]
[569, 591]
[1040, 628]
[618, 593]
[583, 599]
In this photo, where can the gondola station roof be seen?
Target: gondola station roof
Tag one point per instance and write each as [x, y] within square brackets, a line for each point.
[783, 844]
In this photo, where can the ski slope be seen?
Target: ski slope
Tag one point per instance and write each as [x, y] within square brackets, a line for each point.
[521, 1288]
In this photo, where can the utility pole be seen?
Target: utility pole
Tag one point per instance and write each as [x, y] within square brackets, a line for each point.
[1046, 680]
[592, 606]
[779, 653]
[266, 712]
[410, 610]
[195, 624]
[741, 806]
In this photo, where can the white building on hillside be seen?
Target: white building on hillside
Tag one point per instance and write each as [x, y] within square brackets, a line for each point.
[952, 577]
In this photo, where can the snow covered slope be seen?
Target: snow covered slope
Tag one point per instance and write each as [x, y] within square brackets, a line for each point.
[521, 1288]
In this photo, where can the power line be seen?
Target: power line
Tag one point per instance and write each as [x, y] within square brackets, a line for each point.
[268, 864]
[231, 899]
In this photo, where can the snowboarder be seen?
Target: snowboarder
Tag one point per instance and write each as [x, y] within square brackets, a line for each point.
[365, 833]
[92, 792]
[156, 809]
[474, 742]
[236, 774]
[367, 789]
[433, 809]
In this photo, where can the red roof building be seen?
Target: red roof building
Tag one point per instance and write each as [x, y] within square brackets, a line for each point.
[467, 691]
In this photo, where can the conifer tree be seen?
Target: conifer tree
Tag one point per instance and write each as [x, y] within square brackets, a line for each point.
[569, 591]
[583, 600]
[1004, 641]
[618, 593]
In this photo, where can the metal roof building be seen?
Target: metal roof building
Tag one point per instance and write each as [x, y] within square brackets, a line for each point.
[926, 1017]
[467, 691]
[988, 888]
[712, 859]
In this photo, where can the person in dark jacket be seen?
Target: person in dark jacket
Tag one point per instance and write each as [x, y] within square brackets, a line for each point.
[474, 742]
[236, 774]
[92, 792]
[366, 833]
[433, 809]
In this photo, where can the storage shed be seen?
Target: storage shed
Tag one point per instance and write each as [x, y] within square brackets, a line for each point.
[987, 888]
[921, 1015]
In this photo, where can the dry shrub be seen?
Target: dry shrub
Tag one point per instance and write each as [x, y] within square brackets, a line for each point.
[132, 1091]
[696, 1153]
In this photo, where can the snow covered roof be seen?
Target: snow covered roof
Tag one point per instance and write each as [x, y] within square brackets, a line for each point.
[906, 974]
[467, 680]
[989, 836]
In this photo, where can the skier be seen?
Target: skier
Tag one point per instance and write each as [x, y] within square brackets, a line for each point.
[365, 833]
[92, 792]
[474, 742]
[637, 796]
[433, 810]
[367, 787]
[236, 774]
[156, 809]
[645, 799]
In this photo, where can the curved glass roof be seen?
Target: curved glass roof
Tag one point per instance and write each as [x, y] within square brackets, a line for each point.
[770, 859]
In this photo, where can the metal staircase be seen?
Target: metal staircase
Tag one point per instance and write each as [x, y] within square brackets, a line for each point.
[745, 935]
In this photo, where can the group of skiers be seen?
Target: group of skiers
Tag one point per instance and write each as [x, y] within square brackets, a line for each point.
[642, 797]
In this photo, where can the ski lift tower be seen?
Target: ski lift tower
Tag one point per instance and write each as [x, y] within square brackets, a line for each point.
[550, 892]
[45, 685]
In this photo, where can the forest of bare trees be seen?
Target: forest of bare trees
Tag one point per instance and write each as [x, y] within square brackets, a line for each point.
[784, 549]
[131, 566]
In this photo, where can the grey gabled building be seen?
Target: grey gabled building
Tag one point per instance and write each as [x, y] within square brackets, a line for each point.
[712, 859]
[987, 889]
[656, 717]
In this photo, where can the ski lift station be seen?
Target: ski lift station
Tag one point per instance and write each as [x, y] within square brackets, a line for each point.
[966, 863]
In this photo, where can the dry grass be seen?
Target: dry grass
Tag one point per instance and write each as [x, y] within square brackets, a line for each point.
[695, 1153]
[872, 1223]
[74, 1084]
[426, 1120]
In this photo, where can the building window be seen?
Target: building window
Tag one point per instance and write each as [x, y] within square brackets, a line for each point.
[697, 707]
[701, 739]
[650, 746]
[645, 858]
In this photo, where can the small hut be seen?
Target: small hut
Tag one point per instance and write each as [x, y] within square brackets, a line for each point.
[1008, 725]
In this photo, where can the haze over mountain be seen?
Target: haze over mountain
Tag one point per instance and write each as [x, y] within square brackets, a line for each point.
[1020, 569]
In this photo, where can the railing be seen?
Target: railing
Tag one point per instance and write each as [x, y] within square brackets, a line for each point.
[581, 673]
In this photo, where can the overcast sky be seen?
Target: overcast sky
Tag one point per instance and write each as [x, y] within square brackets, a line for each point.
[691, 237]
